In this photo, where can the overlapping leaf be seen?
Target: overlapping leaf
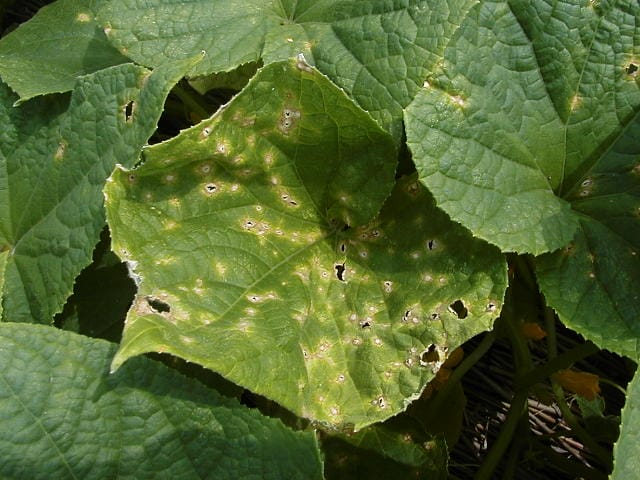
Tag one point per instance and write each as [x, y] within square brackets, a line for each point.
[594, 282]
[625, 451]
[54, 160]
[259, 254]
[536, 148]
[378, 51]
[59, 44]
[379, 452]
[64, 416]
[529, 97]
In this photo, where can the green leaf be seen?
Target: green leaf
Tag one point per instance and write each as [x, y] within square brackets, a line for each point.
[64, 416]
[345, 459]
[625, 451]
[378, 51]
[234, 80]
[594, 282]
[528, 101]
[54, 160]
[59, 44]
[254, 239]
[400, 440]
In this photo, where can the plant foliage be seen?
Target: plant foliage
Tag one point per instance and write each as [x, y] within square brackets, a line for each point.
[383, 173]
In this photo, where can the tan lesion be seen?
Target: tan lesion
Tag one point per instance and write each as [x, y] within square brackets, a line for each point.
[84, 17]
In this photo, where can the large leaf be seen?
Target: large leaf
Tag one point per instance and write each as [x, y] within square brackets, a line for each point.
[625, 451]
[64, 416]
[379, 51]
[253, 238]
[54, 160]
[59, 44]
[594, 282]
[377, 452]
[530, 97]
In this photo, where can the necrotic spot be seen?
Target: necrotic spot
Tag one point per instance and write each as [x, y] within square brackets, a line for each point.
[430, 355]
[459, 309]
[366, 323]
[129, 108]
[158, 305]
[340, 271]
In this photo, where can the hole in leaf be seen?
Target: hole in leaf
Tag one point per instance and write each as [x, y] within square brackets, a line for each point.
[430, 355]
[128, 111]
[340, 268]
[459, 309]
[365, 323]
[158, 305]
[632, 69]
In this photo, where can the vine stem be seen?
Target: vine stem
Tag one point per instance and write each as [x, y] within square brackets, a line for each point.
[562, 361]
[517, 411]
[519, 404]
[587, 440]
[190, 102]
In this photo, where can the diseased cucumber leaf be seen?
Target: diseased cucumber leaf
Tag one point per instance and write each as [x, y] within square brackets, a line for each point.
[400, 447]
[64, 416]
[54, 159]
[529, 99]
[535, 148]
[259, 254]
[625, 451]
[234, 80]
[59, 44]
[378, 51]
[594, 282]
[378, 452]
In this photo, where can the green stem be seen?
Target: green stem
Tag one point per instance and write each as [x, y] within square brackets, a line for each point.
[550, 327]
[190, 101]
[600, 453]
[560, 362]
[614, 385]
[525, 271]
[517, 411]
[513, 458]
[573, 467]
[519, 404]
